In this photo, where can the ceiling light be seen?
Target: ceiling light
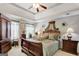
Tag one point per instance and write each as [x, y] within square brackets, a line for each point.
[35, 5]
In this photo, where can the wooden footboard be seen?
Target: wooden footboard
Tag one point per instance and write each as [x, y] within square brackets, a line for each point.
[33, 48]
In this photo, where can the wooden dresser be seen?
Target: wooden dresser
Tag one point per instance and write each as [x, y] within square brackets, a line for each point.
[5, 34]
[70, 46]
[5, 46]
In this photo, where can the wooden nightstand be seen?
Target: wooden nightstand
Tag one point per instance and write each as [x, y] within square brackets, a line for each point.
[70, 46]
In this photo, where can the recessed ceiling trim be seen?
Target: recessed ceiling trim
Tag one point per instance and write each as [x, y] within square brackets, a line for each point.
[64, 13]
[19, 21]
[22, 8]
[56, 4]
[59, 18]
[51, 7]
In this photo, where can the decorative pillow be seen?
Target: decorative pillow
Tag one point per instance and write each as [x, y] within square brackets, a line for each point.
[44, 36]
[56, 37]
[51, 36]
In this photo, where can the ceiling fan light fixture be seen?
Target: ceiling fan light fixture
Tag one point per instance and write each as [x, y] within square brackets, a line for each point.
[35, 5]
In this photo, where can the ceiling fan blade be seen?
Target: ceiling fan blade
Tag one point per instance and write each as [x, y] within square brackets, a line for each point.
[37, 10]
[43, 6]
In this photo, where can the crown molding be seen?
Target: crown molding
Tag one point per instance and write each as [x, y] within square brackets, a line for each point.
[22, 8]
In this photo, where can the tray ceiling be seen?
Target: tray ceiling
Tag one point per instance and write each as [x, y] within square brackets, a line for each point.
[53, 11]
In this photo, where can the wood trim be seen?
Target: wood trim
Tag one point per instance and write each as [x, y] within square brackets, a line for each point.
[5, 43]
[0, 29]
[32, 47]
[70, 46]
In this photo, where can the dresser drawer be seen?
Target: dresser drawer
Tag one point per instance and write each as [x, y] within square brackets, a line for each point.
[70, 46]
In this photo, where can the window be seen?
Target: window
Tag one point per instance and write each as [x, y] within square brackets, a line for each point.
[29, 30]
[14, 30]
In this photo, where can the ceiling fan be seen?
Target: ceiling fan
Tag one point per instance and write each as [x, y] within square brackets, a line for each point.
[38, 6]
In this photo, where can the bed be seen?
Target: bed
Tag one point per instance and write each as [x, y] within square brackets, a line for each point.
[45, 45]
[39, 48]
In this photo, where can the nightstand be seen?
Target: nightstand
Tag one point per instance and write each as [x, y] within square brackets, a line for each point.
[70, 46]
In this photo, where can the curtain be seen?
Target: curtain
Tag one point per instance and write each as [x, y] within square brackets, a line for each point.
[29, 30]
[14, 30]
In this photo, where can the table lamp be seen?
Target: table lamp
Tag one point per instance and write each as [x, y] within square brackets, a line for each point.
[70, 31]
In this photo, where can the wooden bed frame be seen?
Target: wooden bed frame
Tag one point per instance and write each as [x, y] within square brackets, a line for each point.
[31, 48]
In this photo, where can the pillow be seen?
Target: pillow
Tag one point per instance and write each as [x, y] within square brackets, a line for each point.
[51, 36]
[44, 36]
[56, 37]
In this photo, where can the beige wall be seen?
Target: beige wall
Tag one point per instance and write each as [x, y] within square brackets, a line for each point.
[72, 22]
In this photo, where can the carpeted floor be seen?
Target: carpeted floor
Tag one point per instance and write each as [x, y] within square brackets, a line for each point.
[16, 51]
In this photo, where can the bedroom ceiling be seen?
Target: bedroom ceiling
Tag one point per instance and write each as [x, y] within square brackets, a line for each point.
[29, 6]
[53, 11]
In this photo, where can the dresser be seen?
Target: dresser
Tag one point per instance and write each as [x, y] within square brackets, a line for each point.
[70, 46]
[5, 34]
